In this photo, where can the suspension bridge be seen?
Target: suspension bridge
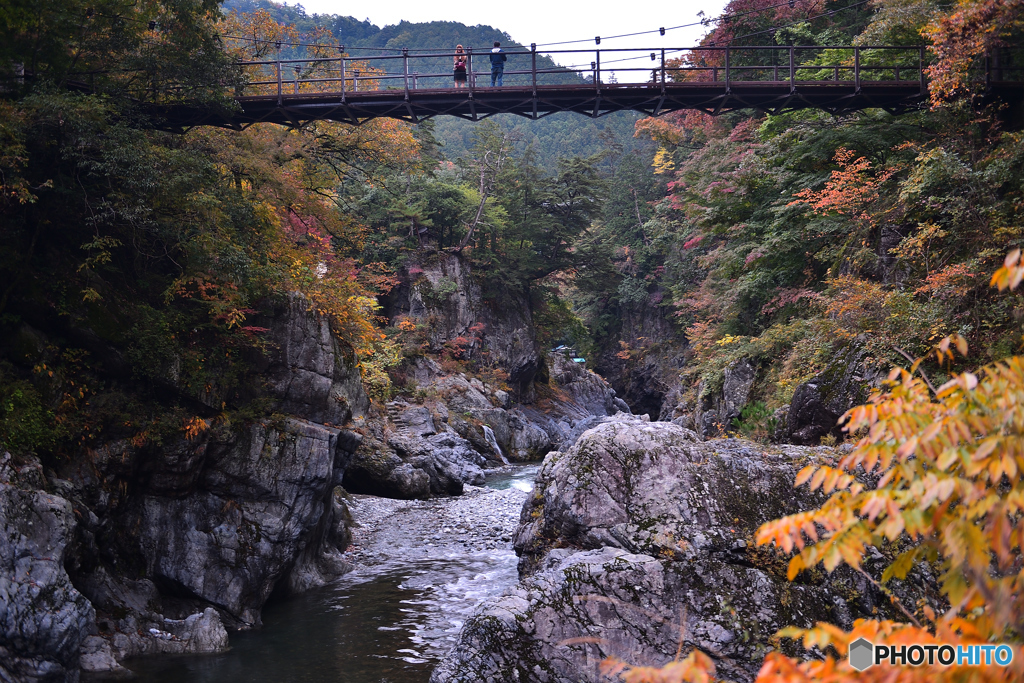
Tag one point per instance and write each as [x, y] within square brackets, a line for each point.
[713, 80]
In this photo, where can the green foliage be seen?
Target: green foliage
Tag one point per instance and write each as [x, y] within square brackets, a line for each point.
[436, 294]
[755, 422]
[26, 424]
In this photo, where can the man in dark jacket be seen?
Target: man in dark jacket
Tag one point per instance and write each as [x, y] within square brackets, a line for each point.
[497, 64]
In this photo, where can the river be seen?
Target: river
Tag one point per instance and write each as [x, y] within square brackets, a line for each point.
[421, 568]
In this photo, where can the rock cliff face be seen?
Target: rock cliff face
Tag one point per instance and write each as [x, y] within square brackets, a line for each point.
[441, 290]
[717, 409]
[166, 544]
[649, 380]
[638, 537]
[309, 373]
[43, 618]
[819, 403]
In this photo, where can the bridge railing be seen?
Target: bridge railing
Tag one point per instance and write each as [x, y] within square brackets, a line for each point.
[599, 68]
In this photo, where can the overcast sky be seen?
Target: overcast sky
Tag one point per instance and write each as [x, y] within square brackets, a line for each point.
[544, 21]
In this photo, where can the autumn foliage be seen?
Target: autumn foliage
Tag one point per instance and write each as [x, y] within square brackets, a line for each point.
[947, 466]
[962, 38]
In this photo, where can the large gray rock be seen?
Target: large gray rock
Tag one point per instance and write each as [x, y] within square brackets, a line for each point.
[131, 623]
[256, 507]
[636, 538]
[584, 393]
[312, 374]
[408, 465]
[574, 400]
[223, 521]
[43, 618]
[717, 409]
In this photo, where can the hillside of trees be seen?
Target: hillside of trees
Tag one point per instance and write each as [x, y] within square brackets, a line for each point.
[786, 238]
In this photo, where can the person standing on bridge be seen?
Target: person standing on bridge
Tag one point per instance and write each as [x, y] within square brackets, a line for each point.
[460, 67]
[497, 64]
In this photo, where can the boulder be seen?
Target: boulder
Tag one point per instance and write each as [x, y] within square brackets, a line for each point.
[449, 461]
[818, 403]
[639, 537]
[43, 618]
[405, 466]
[717, 409]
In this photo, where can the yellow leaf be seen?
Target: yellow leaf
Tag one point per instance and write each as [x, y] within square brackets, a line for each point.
[796, 565]
[804, 475]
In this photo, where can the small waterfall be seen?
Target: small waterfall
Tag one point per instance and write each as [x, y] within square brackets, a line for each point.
[489, 435]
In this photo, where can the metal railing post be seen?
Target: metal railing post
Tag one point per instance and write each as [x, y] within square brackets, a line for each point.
[728, 82]
[792, 69]
[405, 70]
[469, 67]
[279, 82]
[856, 69]
[342, 74]
[662, 71]
[298, 69]
[597, 72]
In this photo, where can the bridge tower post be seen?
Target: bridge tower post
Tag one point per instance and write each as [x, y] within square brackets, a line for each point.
[663, 71]
[533, 74]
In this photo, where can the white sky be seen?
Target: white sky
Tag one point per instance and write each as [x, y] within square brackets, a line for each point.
[545, 21]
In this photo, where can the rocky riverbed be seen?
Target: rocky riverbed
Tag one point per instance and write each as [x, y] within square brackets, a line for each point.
[420, 569]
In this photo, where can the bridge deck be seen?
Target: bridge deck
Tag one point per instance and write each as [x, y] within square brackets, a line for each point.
[481, 102]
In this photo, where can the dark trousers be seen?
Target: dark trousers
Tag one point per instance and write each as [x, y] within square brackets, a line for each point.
[497, 72]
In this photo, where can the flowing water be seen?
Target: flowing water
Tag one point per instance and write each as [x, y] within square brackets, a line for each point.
[515, 477]
[386, 623]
